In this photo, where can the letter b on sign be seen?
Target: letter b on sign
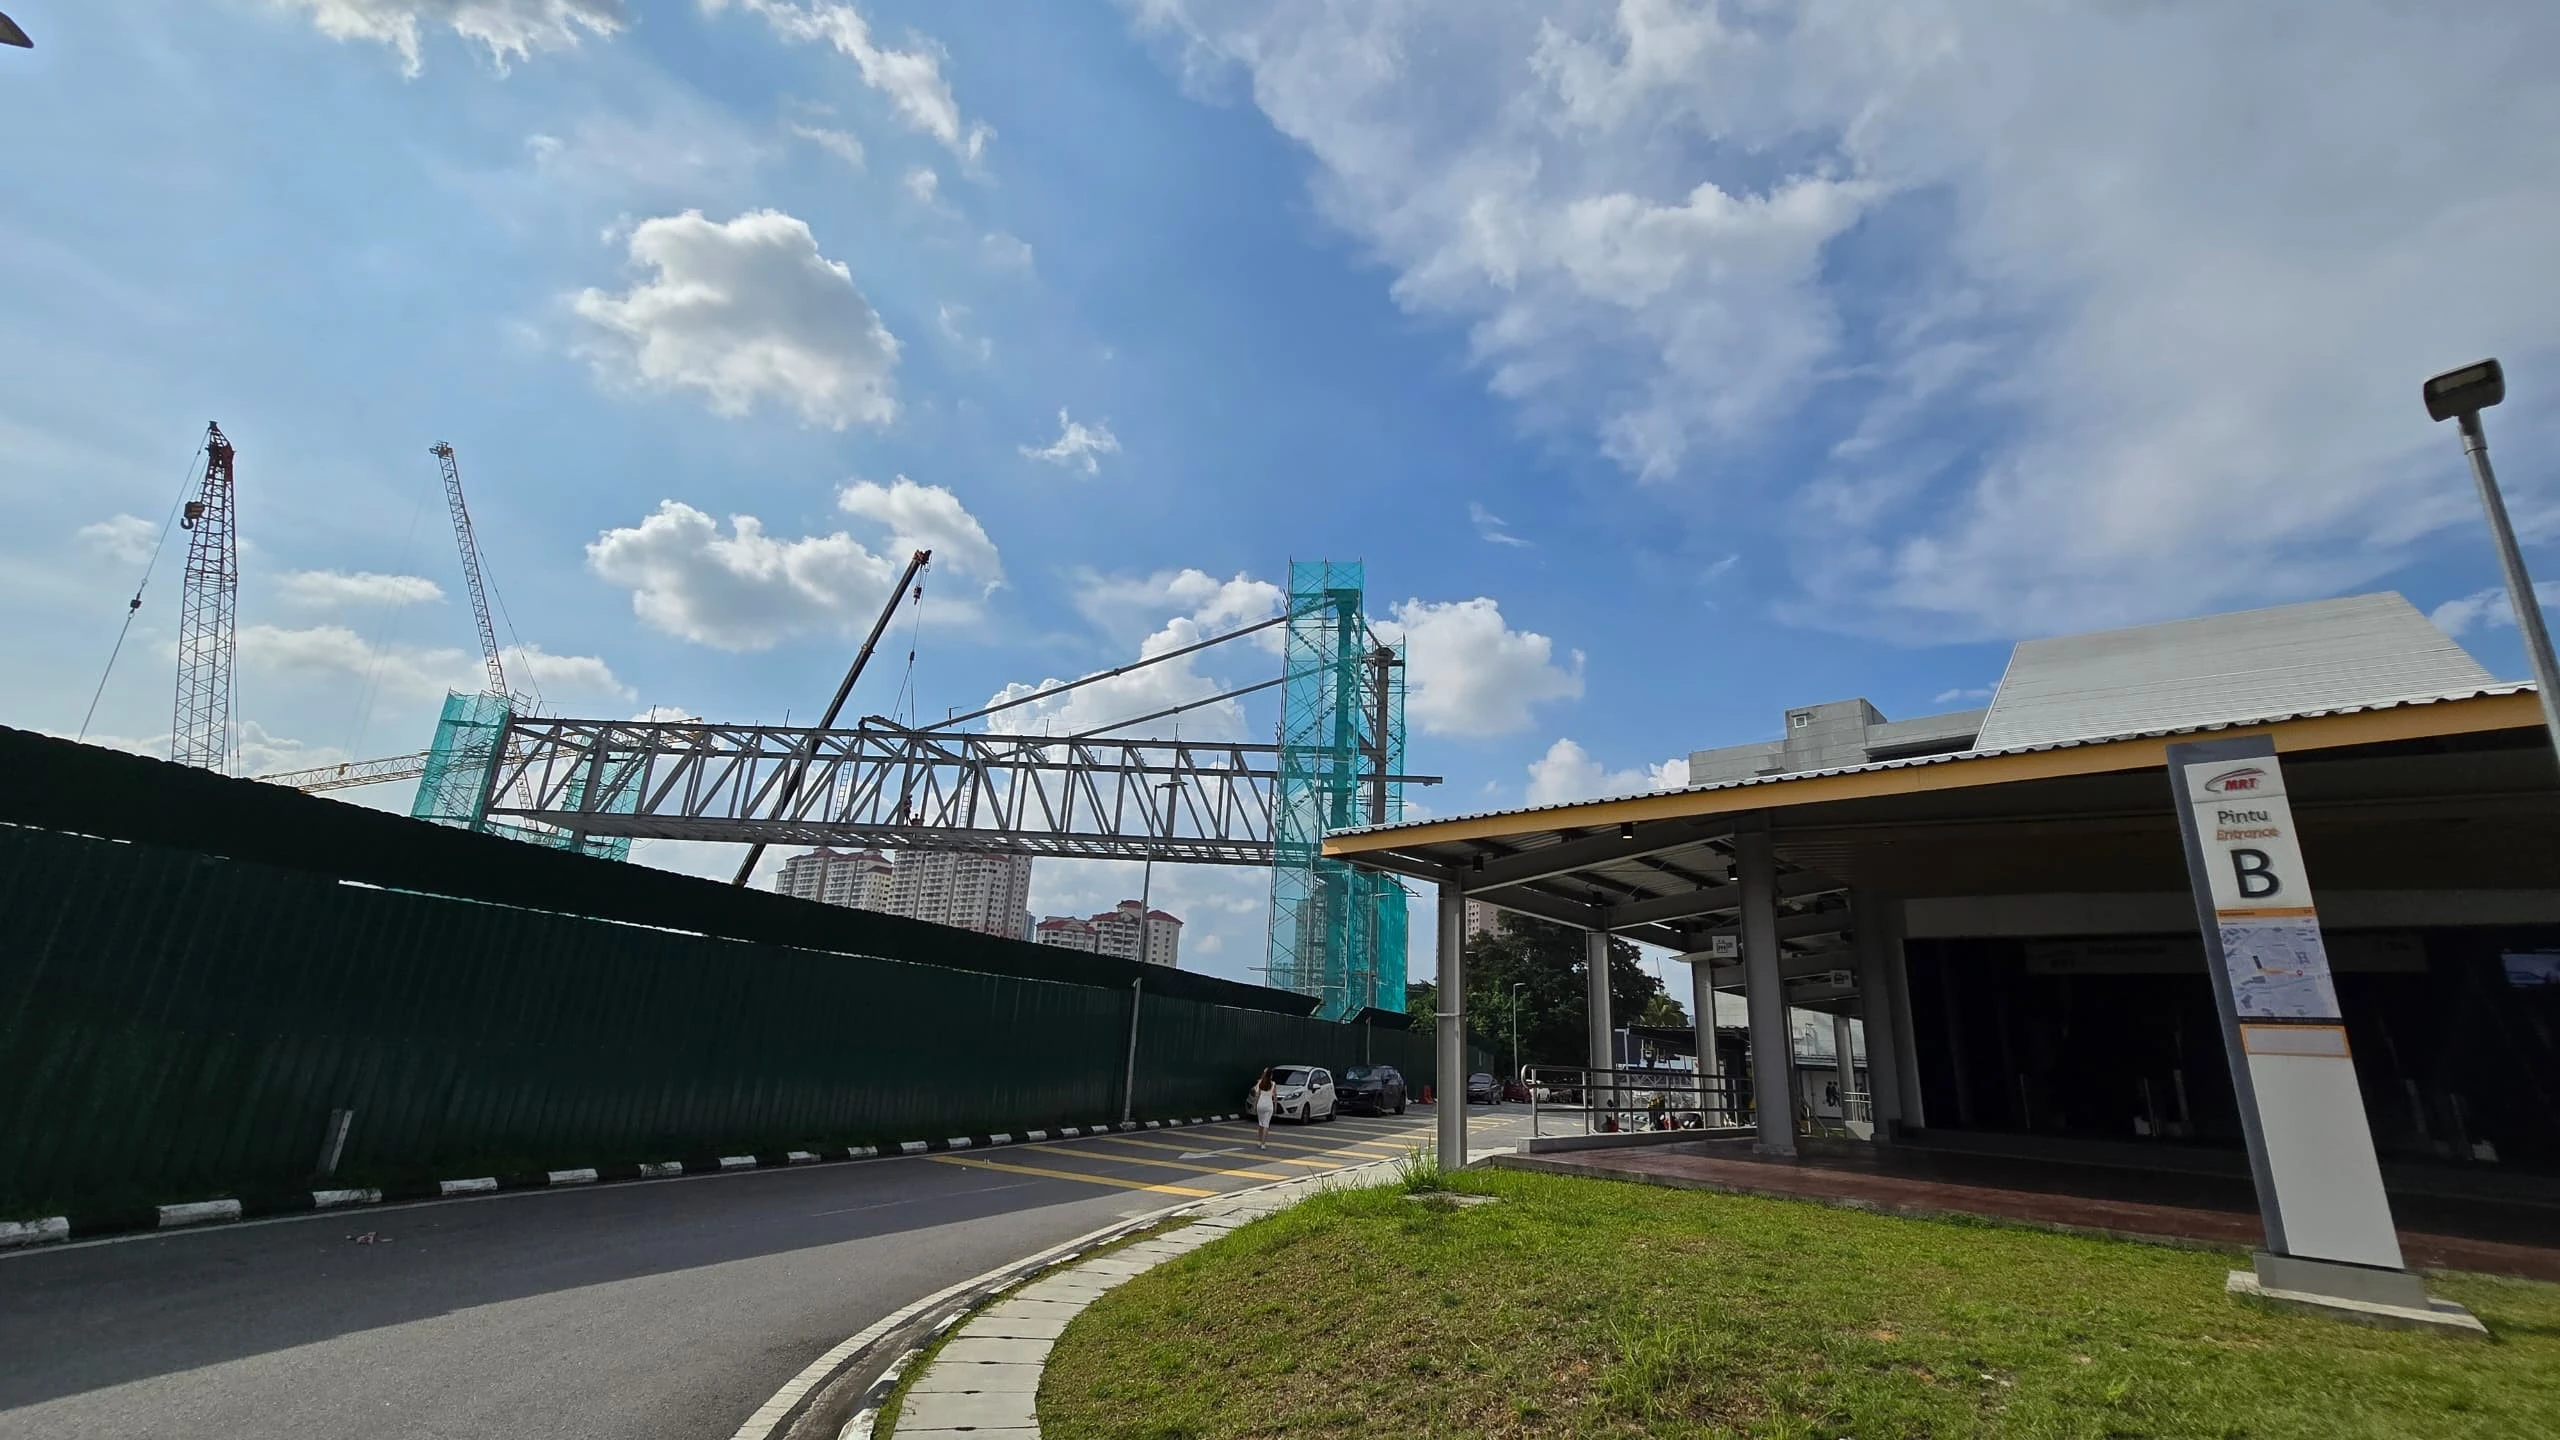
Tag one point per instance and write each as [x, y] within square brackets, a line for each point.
[2256, 874]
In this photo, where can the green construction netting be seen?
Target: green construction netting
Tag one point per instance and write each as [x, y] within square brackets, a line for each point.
[454, 789]
[1336, 933]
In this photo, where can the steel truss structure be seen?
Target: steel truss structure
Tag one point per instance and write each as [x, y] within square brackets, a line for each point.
[895, 786]
[200, 734]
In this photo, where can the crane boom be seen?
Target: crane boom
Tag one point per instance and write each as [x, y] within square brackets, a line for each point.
[470, 547]
[208, 601]
[352, 774]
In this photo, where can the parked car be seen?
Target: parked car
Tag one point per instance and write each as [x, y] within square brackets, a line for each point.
[1516, 1090]
[1373, 1089]
[1304, 1093]
[1483, 1089]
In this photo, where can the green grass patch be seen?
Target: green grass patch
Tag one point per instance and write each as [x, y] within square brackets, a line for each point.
[1592, 1308]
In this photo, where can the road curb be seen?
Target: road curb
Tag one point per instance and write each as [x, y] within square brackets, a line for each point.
[213, 1212]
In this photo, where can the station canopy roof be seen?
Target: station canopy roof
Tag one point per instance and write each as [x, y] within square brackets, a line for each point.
[2385, 720]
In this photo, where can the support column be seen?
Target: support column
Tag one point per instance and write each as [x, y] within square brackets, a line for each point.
[1702, 1019]
[1844, 1061]
[1595, 992]
[1449, 1027]
[1878, 1009]
[1906, 1045]
[1773, 1079]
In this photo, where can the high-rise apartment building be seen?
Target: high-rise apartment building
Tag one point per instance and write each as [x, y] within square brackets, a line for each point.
[860, 880]
[1117, 931]
[968, 889]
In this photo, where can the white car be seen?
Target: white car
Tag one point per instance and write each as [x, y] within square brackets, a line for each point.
[1302, 1092]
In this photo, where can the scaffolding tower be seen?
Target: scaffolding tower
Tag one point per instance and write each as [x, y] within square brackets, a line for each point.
[454, 788]
[1336, 933]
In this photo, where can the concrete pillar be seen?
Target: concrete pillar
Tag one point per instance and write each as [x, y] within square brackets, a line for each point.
[1595, 991]
[1702, 1019]
[1844, 1059]
[1906, 1045]
[1449, 1027]
[1773, 1080]
[1877, 1007]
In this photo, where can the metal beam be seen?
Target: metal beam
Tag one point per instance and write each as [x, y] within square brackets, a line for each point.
[1660, 838]
[1795, 885]
[351, 774]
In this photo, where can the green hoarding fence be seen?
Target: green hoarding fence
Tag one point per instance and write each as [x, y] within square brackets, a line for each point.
[180, 1020]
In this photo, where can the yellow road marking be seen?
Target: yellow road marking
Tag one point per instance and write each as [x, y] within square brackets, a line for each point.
[975, 1164]
[1195, 1168]
[1263, 1160]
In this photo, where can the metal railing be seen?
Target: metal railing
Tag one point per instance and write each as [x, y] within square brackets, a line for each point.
[1632, 1099]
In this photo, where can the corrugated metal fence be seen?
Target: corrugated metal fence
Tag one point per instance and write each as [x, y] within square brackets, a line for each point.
[176, 1024]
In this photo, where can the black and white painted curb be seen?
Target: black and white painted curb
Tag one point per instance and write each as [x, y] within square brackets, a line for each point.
[24, 1234]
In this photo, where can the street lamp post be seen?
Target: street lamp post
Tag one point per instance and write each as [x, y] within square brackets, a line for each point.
[2460, 396]
[1516, 988]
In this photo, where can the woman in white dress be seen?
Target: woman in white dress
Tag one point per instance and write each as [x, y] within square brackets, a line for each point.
[1264, 1096]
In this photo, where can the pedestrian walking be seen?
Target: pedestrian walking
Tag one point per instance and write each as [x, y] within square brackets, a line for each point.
[1265, 1095]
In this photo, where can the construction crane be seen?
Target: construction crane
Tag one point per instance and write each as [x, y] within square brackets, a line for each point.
[351, 774]
[835, 707]
[470, 547]
[208, 607]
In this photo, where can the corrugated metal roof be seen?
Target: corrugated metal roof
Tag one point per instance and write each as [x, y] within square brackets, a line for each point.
[2322, 656]
[1983, 752]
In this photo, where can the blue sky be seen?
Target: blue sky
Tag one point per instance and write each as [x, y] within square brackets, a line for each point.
[1668, 364]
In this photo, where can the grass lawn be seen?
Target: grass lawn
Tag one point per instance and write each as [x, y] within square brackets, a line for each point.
[1592, 1308]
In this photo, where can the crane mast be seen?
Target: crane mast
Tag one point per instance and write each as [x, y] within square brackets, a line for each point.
[470, 547]
[208, 607]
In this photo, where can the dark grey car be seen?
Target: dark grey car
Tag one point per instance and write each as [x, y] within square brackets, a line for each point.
[1483, 1089]
[1373, 1089]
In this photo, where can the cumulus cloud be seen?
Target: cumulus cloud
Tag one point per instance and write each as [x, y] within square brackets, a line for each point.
[1467, 673]
[953, 320]
[924, 186]
[2489, 607]
[1568, 773]
[747, 590]
[1006, 252]
[1202, 606]
[1971, 252]
[333, 654]
[1078, 444]
[510, 29]
[124, 539]
[740, 312]
[910, 80]
[324, 589]
[1124, 607]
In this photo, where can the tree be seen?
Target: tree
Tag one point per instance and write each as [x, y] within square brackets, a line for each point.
[1662, 1011]
[1547, 961]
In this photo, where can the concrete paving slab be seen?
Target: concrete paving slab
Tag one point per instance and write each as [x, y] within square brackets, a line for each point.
[1002, 1352]
[969, 1379]
[1049, 1324]
[959, 1410]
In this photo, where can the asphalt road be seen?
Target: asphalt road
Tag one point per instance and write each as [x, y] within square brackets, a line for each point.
[667, 1308]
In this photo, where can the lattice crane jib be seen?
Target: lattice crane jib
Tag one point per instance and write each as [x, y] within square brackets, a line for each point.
[200, 732]
[469, 545]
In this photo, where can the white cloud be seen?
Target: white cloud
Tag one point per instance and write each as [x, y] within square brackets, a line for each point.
[1006, 252]
[911, 80]
[1567, 773]
[925, 186]
[744, 311]
[2065, 324]
[842, 144]
[1077, 444]
[1491, 527]
[1962, 695]
[333, 654]
[2489, 607]
[747, 590]
[1203, 607]
[323, 589]
[950, 318]
[1125, 607]
[511, 29]
[926, 517]
[1469, 674]
[124, 539]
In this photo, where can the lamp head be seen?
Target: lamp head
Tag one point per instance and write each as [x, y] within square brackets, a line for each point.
[2466, 391]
